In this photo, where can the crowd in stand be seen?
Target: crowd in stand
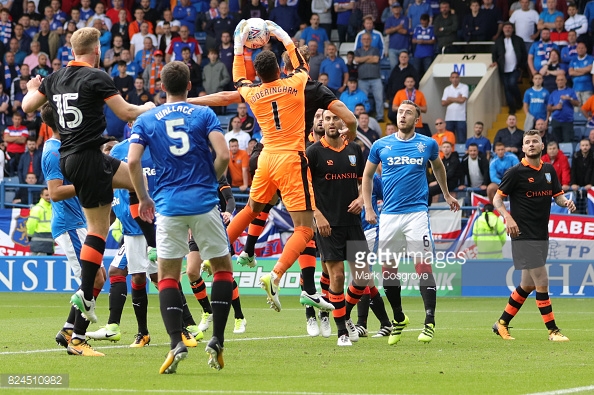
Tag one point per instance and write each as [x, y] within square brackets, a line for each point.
[551, 37]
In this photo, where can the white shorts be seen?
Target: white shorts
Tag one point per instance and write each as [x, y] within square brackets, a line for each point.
[371, 237]
[71, 243]
[208, 231]
[410, 233]
[133, 256]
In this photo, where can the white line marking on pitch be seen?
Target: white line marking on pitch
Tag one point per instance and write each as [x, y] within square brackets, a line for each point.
[565, 391]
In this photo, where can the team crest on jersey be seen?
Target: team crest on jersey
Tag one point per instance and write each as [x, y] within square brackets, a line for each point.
[548, 177]
[421, 147]
[353, 160]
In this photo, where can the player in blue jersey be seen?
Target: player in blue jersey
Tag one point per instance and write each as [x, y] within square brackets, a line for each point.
[404, 221]
[69, 229]
[186, 198]
[131, 259]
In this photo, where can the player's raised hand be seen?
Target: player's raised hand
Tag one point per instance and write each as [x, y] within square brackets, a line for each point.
[279, 33]
[356, 206]
[34, 83]
[371, 217]
[453, 203]
[240, 37]
[146, 209]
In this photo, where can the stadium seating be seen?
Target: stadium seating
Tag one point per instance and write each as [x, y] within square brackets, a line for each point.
[461, 150]
[345, 48]
[566, 148]
[579, 119]
[224, 120]
[579, 132]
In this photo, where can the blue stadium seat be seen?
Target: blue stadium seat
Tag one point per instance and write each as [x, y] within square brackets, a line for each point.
[461, 150]
[200, 37]
[567, 149]
[579, 119]
[224, 120]
[578, 132]
[232, 108]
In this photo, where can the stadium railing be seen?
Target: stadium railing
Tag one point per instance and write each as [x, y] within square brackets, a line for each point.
[8, 188]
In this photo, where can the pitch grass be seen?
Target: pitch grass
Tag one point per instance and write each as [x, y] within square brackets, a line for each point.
[276, 356]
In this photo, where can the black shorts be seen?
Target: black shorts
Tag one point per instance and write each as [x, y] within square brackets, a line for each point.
[91, 172]
[529, 254]
[334, 247]
[254, 158]
[194, 247]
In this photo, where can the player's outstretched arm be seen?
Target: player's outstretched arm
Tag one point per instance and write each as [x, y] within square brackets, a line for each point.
[347, 117]
[366, 189]
[126, 111]
[223, 98]
[239, 39]
[441, 176]
[219, 145]
[33, 99]
[562, 201]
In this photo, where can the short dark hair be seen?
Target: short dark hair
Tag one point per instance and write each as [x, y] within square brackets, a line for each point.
[551, 143]
[412, 103]
[185, 49]
[122, 63]
[447, 142]
[175, 77]
[233, 141]
[30, 138]
[47, 115]
[498, 144]
[214, 51]
[266, 66]
[479, 123]
[473, 145]
[531, 132]
[425, 17]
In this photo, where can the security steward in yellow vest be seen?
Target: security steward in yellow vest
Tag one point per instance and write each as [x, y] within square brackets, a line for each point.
[39, 228]
[489, 234]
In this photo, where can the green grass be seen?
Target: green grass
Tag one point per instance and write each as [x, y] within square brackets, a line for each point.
[276, 356]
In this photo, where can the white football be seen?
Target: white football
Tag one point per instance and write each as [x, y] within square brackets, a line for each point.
[259, 33]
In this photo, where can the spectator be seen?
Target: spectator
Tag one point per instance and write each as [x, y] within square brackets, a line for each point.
[135, 25]
[454, 99]
[22, 194]
[569, 52]
[16, 138]
[34, 16]
[396, 27]
[474, 24]
[54, 24]
[370, 81]
[215, 27]
[145, 55]
[211, 13]
[105, 38]
[323, 9]
[580, 71]
[352, 66]
[424, 40]
[186, 14]
[582, 167]
[499, 164]
[30, 162]
[64, 53]
[5, 26]
[489, 234]
[247, 121]
[575, 22]
[365, 135]
[376, 37]
[179, 43]
[113, 55]
[373, 124]
[45, 133]
[239, 164]
[445, 27]
[390, 129]
[547, 17]
[23, 39]
[551, 70]
[344, 10]
[122, 29]
[475, 170]
[561, 104]
[39, 229]
[323, 79]
[20, 93]
[540, 50]
[151, 14]
[32, 121]
[542, 125]
[413, 94]
[368, 7]
[535, 102]
[139, 95]
[11, 71]
[336, 69]
[494, 18]
[590, 138]
[236, 133]
[398, 75]
[511, 137]
[226, 55]
[251, 145]
[315, 59]
[509, 56]
[42, 68]
[451, 162]
[113, 13]
[123, 81]
[76, 20]
[4, 107]
[441, 134]
[152, 72]
[137, 42]
[255, 9]
[483, 143]
[588, 110]
[416, 10]
[99, 14]
[168, 19]
[86, 12]
[214, 75]
[558, 33]
[353, 96]
[3, 160]
[32, 60]
[525, 21]
[314, 32]
[166, 36]
[560, 162]
[195, 73]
